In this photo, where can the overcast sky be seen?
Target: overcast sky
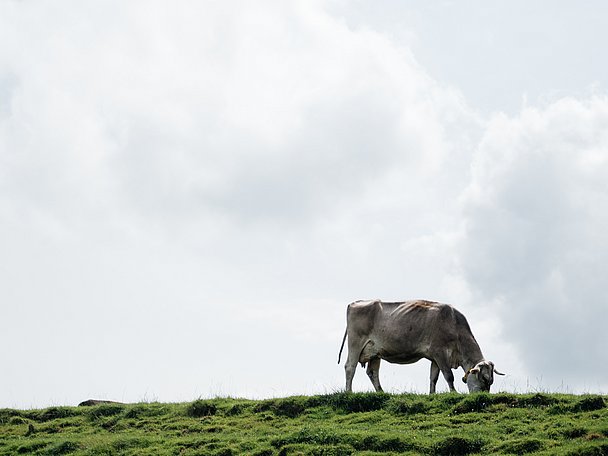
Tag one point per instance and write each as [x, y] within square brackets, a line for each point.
[192, 192]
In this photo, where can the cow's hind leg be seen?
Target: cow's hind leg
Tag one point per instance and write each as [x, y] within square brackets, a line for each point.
[349, 369]
[434, 376]
[351, 365]
[373, 372]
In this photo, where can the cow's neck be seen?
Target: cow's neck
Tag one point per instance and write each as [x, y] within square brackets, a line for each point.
[470, 352]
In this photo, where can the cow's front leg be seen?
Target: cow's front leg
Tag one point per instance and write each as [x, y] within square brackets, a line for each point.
[434, 376]
[449, 377]
[373, 372]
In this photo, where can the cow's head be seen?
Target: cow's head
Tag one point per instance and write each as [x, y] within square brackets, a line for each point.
[481, 376]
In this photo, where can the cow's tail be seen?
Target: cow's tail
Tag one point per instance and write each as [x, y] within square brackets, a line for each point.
[342, 347]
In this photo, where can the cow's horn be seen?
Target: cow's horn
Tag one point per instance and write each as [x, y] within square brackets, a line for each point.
[498, 373]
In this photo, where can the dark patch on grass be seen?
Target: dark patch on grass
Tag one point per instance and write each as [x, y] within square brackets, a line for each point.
[509, 400]
[200, 408]
[537, 400]
[559, 409]
[594, 436]
[101, 411]
[316, 450]
[30, 430]
[478, 402]
[263, 406]
[574, 433]
[406, 407]
[7, 414]
[382, 444]
[355, 440]
[522, 446]
[191, 444]
[445, 400]
[134, 412]
[54, 413]
[224, 452]
[473, 403]
[126, 443]
[289, 407]
[31, 447]
[17, 420]
[456, 446]
[308, 436]
[235, 410]
[351, 402]
[590, 450]
[110, 423]
[145, 410]
[589, 404]
[65, 447]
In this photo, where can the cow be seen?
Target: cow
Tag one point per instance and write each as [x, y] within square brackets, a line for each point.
[405, 332]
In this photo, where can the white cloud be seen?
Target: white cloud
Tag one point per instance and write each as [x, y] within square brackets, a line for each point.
[164, 168]
[186, 189]
[535, 235]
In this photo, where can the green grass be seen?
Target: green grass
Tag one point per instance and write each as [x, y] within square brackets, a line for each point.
[334, 424]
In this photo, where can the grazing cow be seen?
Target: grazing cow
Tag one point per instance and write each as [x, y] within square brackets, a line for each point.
[405, 332]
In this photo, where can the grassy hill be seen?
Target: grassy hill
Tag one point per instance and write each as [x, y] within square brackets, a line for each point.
[334, 424]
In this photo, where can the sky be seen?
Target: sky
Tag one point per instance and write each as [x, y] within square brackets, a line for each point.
[191, 193]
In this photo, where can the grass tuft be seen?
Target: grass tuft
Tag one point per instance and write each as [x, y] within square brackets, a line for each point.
[590, 450]
[457, 446]
[53, 413]
[589, 404]
[31, 447]
[474, 403]
[351, 402]
[290, 407]
[574, 432]
[65, 447]
[406, 406]
[201, 408]
[522, 446]
[538, 400]
[104, 410]
[7, 414]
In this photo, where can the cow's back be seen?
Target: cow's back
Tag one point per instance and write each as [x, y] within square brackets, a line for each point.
[405, 331]
[419, 313]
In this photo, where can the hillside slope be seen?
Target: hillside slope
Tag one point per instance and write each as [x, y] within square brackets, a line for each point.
[334, 424]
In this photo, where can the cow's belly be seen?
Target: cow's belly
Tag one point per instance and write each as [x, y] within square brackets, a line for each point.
[403, 350]
[402, 354]
[401, 358]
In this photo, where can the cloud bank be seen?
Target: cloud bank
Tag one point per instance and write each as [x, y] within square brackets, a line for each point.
[191, 194]
[535, 241]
